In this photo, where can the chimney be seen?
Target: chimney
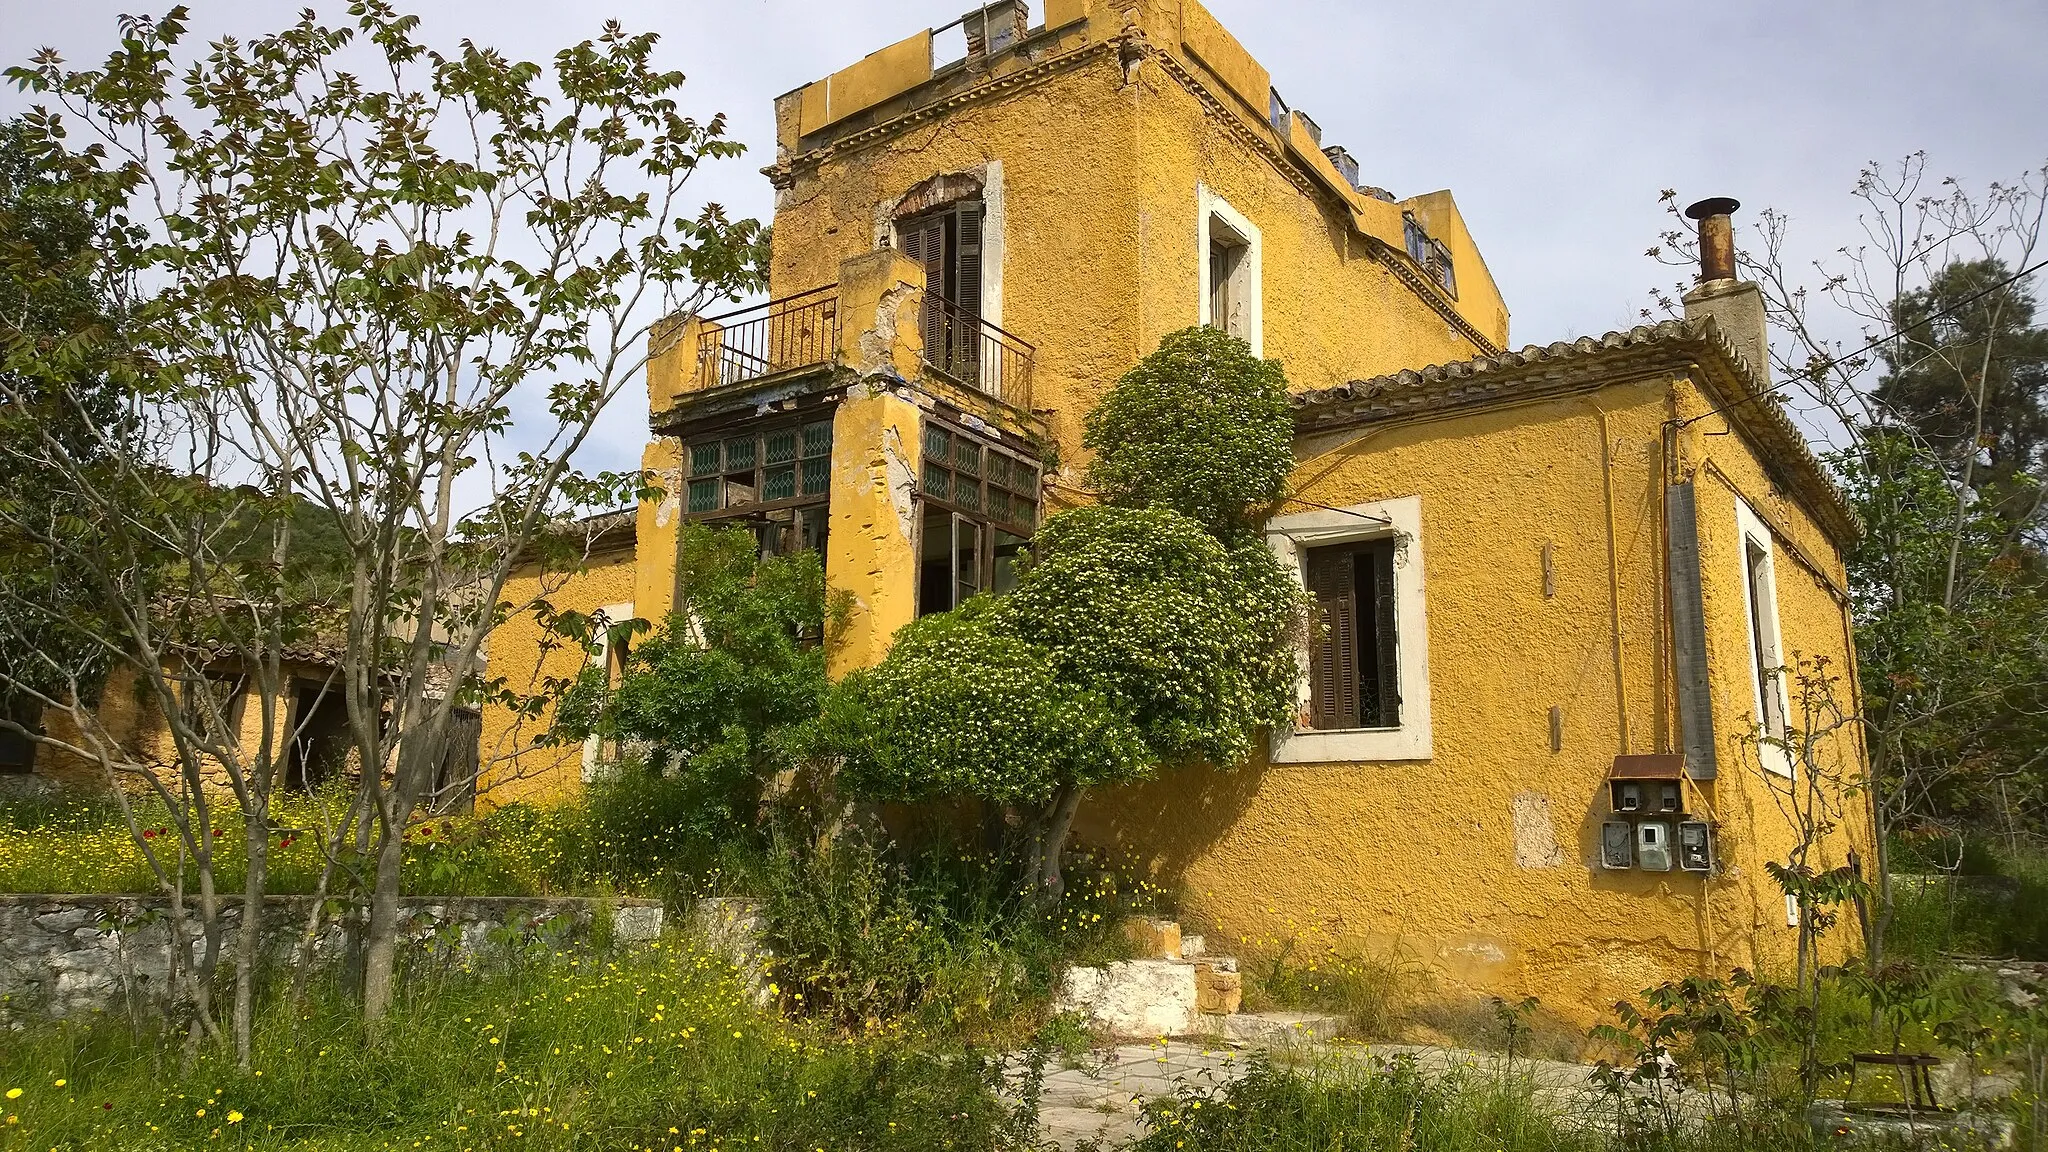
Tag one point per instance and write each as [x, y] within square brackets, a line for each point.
[1737, 306]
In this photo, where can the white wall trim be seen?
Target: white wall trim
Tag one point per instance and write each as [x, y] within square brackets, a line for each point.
[1399, 519]
[1210, 207]
[992, 216]
[614, 614]
[1751, 527]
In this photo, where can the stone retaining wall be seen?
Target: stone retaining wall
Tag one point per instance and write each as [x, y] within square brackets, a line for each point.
[73, 955]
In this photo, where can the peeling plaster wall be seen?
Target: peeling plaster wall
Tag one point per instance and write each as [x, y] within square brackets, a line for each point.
[1482, 862]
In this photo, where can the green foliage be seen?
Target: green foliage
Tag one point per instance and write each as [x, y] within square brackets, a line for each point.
[941, 938]
[964, 707]
[1200, 426]
[729, 691]
[1356, 1103]
[1969, 896]
[1952, 640]
[653, 1047]
[1190, 638]
[1984, 343]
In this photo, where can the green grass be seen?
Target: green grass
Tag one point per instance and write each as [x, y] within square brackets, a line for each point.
[1998, 905]
[1355, 1103]
[85, 845]
[653, 1047]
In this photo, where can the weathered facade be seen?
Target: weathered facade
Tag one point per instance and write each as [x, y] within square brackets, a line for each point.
[1559, 582]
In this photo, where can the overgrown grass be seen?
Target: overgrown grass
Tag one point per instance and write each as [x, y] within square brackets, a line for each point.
[1376, 992]
[654, 1047]
[1983, 899]
[938, 938]
[1348, 1102]
[621, 838]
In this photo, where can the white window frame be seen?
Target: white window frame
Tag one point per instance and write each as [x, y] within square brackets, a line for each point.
[1212, 210]
[1750, 528]
[614, 615]
[1400, 520]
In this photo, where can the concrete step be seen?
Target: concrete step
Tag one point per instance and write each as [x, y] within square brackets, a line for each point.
[1277, 1029]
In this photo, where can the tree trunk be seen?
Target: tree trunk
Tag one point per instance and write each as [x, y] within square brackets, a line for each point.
[1047, 883]
[249, 941]
[380, 948]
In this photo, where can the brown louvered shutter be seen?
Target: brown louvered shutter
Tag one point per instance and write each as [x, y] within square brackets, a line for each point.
[1333, 664]
[1386, 646]
[965, 291]
[924, 240]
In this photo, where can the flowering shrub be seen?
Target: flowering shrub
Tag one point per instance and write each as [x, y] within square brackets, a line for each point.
[963, 706]
[1154, 630]
[1187, 637]
[1201, 426]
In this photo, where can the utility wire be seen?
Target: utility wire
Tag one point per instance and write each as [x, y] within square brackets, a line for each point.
[1825, 364]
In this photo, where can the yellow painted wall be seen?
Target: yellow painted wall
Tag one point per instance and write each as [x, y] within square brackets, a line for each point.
[128, 716]
[513, 767]
[1100, 222]
[1417, 859]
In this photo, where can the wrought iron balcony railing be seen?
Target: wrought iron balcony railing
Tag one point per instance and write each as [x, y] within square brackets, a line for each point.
[976, 353]
[764, 339]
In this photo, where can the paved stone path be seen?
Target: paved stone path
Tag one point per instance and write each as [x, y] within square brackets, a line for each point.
[1102, 1098]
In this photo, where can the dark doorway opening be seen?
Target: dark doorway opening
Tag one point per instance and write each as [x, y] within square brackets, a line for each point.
[319, 748]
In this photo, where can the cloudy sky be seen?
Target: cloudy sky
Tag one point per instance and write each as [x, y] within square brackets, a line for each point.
[1555, 124]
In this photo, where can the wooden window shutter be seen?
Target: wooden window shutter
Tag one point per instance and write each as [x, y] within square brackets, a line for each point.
[1388, 648]
[966, 287]
[924, 240]
[1333, 665]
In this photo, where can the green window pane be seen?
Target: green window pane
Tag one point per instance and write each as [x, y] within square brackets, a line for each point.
[936, 442]
[998, 503]
[781, 447]
[817, 476]
[704, 495]
[967, 493]
[818, 439]
[938, 483]
[999, 469]
[704, 459]
[739, 454]
[779, 483]
[967, 457]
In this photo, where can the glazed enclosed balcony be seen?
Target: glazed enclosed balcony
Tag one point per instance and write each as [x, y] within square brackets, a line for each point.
[882, 319]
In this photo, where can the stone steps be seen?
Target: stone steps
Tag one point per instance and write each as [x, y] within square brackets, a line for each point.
[1175, 988]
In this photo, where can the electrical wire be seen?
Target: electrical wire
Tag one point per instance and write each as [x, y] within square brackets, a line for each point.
[1971, 298]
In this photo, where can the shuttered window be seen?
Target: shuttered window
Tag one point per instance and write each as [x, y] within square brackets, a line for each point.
[980, 506]
[1354, 681]
[774, 480]
[947, 243]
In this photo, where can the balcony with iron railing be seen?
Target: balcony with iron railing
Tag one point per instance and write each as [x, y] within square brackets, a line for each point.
[806, 331]
[971, 351]
[767, 339]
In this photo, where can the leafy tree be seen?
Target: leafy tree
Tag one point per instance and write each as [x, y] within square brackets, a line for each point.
[1201, 426]
[1969, 373]
[52, 314]
[727, 694]
[1134, 637]
[337, 285]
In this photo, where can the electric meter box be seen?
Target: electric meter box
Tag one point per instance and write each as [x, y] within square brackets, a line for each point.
[1695, 846]
[1628, 796]
[1617, 845]
[1653, 846]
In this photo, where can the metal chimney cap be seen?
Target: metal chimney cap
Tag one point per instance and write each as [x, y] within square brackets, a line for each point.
[1713, 206]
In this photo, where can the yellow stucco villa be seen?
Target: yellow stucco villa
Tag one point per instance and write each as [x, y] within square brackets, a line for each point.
[1559, 582]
